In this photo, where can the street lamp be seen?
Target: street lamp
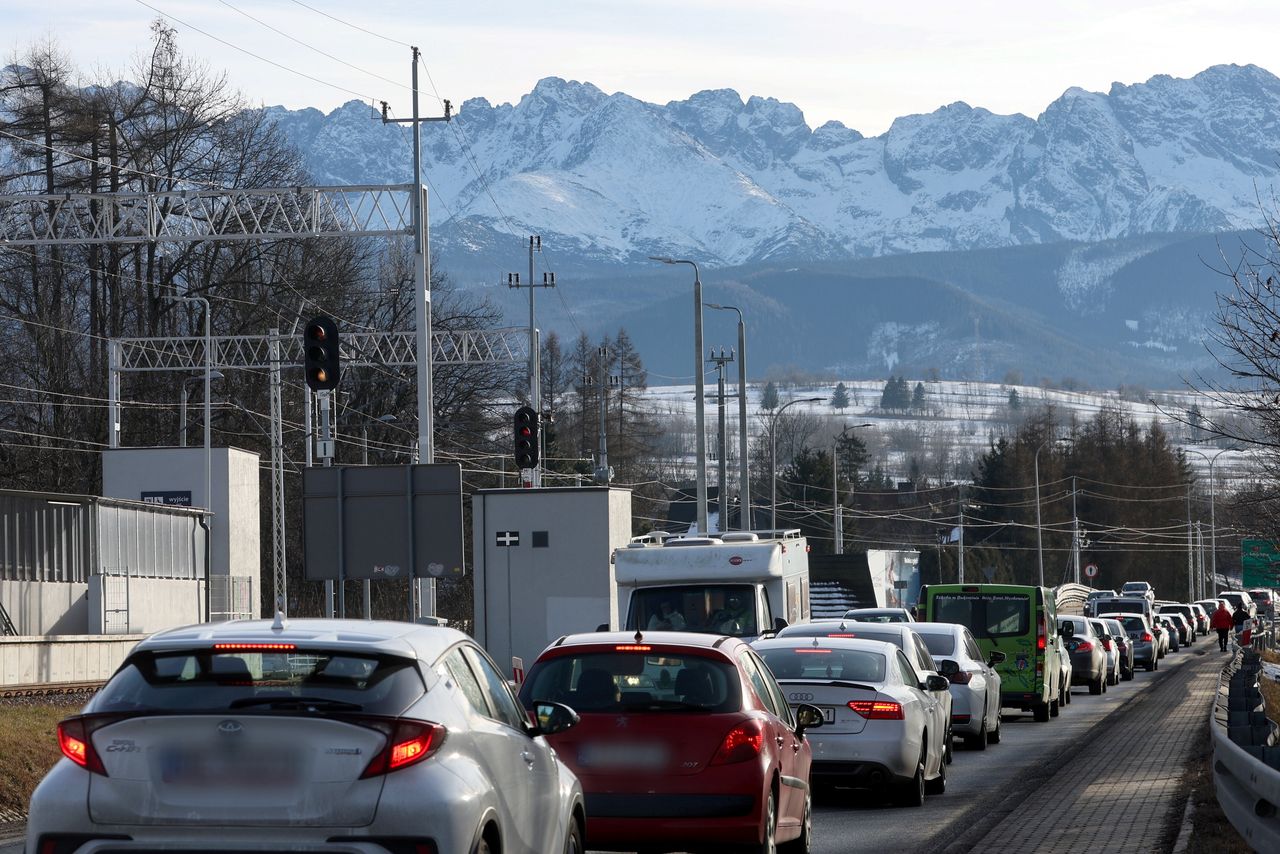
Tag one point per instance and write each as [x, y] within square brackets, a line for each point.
[364, 434]
[837, 518]
[1039, 529]
[773, 456]
[182, 406]
[699, 390]
[744, 481]
[1213, 523]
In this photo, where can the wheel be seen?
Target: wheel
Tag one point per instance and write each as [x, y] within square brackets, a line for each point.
[482, 846]
[1098, 685]
[912, 793]
[938, 785]
[993, 735]
[1150, 666]
[1113, 678]
[1156, 665]
[573, 843]
[804, 842]
[1041, 712]
[1127, 674]
[948, 750]
[1055, 708]
[769, 845]
[979, 741]
[1066, 691]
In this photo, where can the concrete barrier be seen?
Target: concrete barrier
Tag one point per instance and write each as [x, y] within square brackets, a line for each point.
[62, 658]
[1246, 763]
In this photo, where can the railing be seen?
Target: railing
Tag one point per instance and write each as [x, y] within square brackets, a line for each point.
[1246, 760]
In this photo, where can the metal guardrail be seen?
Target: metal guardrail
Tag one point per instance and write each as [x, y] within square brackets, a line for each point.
[1246, 760]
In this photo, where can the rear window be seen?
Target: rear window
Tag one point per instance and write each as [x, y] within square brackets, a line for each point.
[987, 615]
[276, 680]
[634, 681]
[1133, 624]
[809, 662]
[939, 644]
[876, 616]
[1131, 606]
[722, 609]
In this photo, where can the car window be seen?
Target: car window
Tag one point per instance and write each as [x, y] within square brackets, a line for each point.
[939, 643]
[971, 647]
[506, 709]
[808, 662]
[922, 654]
[779, 701]
[987, 615]
[757, 680]
[908, 672]
[597, 680]
[456, 668]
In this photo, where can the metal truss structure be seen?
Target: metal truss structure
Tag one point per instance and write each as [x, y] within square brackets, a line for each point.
[188, 216]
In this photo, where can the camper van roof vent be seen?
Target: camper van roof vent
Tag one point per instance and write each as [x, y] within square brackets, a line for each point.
[740, 537]
[692, 541]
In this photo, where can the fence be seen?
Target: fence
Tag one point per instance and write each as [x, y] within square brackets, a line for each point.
[231, 598]
[1246, 760]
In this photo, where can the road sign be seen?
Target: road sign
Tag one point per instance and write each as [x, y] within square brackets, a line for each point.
[1091, 570]
[506, 539]
[1260, 560]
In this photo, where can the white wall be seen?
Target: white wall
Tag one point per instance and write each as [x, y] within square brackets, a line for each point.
[32, 661]
[46, 607]
[154, 603]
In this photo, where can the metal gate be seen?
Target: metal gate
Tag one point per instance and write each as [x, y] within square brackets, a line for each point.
[230, 598]
[115, 603]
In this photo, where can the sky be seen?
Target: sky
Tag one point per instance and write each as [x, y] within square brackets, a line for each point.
[856, 62]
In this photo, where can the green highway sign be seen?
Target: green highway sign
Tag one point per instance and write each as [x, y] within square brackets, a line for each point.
[1260, 561]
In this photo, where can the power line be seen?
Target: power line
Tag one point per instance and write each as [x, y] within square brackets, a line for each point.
[351, 25]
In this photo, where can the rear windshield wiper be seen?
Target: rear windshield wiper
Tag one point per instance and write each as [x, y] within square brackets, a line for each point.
[302, 703]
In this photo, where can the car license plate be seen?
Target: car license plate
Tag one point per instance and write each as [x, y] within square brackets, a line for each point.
[828, 714]
[259, 769]
[624, 756]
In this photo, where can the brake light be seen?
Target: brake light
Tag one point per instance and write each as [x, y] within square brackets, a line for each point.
[808, 650]
[962, 677]
[1106, 644]
[842, 635]
[1146, 636]
[408, 743]
[1084, 646]
[633, 647]
[241, 647]
[1041, 635]
[740, 744]
[74, 741]
[877, 710]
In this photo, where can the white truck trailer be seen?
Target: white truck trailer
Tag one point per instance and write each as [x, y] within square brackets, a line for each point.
[738, 583]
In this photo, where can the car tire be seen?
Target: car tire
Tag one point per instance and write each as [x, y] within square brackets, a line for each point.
[482, 846]
[1127, 675]
[803, 843]
[1150, 666]
[1113, 678]
[993, 735]
[1097, 685]
[938, 785]
[912, 792]
[1040, 711]
[979, 741]
[573, 842]
[1055, 707]
[948, 748]
[1066, 692]
[770, 843]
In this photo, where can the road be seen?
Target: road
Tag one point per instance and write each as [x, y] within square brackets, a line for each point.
[849, 822]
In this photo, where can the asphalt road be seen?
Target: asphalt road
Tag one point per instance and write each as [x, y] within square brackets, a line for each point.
[850, 822]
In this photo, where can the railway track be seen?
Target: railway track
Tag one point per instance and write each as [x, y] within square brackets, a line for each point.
[48, 689]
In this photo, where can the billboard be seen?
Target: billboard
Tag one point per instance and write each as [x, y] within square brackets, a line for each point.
[1260, 562]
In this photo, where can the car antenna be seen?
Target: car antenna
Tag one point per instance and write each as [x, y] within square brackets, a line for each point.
[639, 637]
[279, 624]
[815, 641]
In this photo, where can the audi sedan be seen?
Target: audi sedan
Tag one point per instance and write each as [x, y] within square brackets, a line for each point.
[685, 741]
[315, 735]
[878, 711]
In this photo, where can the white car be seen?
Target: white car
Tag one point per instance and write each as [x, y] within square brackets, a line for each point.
[880, 615]
[316, 735]
[975, 684]
[879, 713]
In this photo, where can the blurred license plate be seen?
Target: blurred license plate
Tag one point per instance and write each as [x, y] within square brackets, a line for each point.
[252, 769]
[623, 756]
[828, 714]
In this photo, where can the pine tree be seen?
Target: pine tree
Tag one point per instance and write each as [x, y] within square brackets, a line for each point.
[840, 397]
[917, 397]
[769, 399]
[1015, 400]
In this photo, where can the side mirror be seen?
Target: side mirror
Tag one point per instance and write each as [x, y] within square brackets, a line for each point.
[935, 682]
[1068, 629]
[779, 624]
[948, 668]
[603, 627]
[995, 658]
[553, 718]
[807, 717]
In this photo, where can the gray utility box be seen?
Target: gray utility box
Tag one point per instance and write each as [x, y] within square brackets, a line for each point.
[542, 565]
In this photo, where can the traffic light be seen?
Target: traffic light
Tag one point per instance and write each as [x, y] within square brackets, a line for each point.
[320, 353]
[526, 438]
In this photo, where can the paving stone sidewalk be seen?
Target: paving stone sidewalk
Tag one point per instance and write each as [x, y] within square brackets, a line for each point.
[1123, 793]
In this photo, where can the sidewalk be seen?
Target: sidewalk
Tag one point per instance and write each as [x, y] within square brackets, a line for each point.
[1124, 792]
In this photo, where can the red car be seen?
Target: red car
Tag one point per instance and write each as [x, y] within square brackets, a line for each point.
[685, 741]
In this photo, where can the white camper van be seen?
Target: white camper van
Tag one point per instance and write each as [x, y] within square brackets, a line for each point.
[740, 583]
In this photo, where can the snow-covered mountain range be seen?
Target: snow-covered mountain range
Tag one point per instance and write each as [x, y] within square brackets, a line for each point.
[610, 179]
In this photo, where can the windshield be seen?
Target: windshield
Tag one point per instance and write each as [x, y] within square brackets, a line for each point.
[293, 680]
[987, 615]
[809, 662]
[1135, 606]
[720, 609]
[633, 681]
[939, 644]
[871, 616]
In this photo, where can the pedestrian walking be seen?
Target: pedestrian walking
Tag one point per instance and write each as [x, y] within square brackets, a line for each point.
[1221, 622]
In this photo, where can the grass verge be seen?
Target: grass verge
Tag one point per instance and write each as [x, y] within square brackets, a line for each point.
[29, 745]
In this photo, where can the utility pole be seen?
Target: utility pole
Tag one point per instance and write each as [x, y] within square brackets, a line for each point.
[1191, 589]
[722, 472]
[603, 473]
[535, 364]
[1075, 534]
[422, 306]
[960, 575]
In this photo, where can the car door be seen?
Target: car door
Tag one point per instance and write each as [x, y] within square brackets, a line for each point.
[921, 700]
[940, 710]
[990, 678]
[780, 738]
[532, 788]
[796, 760]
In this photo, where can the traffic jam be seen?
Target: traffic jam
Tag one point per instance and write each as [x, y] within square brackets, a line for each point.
[702, 723]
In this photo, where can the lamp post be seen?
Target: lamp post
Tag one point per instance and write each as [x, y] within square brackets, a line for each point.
[773, 457]
[1039, 529]
[182, 407]
[1213, 523]
[364, 434]
[837, 517]
[744, 481]
[700, 415]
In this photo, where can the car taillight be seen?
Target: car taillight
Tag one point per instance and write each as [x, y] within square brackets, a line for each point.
[1041, 635]
[962, 677]
[76, 744]
[1106, 644]
[408, 743]
[877, 710]
[740, 744]
[1084, 646]
[1146, 636]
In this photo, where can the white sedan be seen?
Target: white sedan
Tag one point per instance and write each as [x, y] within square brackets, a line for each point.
[878, 713]
[323, 735]
[975, 684]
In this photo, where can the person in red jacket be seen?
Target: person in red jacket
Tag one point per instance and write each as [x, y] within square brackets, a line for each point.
[1222, 622]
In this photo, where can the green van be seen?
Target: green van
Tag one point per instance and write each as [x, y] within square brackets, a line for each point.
[1018, 621]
